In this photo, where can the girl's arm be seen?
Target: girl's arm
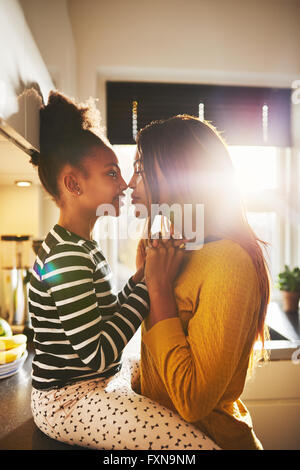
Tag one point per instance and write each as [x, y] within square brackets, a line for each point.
[130, 286]
[98, 341]
[137, 277]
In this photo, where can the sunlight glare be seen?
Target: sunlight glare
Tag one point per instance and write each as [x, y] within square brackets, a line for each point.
[256, 167]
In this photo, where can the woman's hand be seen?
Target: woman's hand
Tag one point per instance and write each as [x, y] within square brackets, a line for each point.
[142, 250]
[163, 260]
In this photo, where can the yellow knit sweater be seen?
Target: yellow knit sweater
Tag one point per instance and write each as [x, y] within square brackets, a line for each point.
[197, 363]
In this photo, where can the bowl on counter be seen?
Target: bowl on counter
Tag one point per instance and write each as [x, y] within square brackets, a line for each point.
[11, 368]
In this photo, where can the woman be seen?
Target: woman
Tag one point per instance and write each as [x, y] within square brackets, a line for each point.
[197, 350]
[81, 395]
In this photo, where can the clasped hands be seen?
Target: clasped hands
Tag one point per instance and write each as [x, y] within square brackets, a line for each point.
[158, 261]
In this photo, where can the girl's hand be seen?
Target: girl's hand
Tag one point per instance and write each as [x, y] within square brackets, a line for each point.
[140, 262]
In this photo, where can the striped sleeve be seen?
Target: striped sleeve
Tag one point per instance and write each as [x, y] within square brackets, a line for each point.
[126, 291]
[98, 341]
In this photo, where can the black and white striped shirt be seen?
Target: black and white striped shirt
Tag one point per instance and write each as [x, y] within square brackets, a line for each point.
[80, 326]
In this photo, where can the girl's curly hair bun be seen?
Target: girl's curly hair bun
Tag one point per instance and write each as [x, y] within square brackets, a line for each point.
[69, 131]
[62, 118]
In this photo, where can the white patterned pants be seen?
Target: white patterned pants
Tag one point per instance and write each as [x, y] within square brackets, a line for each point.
[108, 414]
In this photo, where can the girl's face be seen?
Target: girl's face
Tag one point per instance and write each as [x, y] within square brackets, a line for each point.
[102, 184]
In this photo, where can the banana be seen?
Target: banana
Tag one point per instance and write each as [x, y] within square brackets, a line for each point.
[10, 342]
[12, 354]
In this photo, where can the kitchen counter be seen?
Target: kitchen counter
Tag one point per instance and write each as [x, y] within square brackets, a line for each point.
[18, 431]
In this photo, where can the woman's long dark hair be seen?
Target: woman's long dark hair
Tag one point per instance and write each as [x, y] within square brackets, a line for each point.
[196, 163]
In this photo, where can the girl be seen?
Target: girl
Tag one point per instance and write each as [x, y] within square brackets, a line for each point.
[80, 394]
[197, 349]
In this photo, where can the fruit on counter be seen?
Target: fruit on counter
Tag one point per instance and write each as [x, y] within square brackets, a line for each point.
[10, 342]
[5, 329]
[12, 354]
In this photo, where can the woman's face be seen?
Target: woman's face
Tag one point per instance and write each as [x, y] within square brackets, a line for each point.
[102, 185]
[139, 193]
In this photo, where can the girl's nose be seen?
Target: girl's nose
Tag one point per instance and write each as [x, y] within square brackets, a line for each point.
[123, 184]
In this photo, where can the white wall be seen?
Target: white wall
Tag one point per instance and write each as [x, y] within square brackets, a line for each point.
[26, 211]
[216, 41]
[48, 213]
[19, 210]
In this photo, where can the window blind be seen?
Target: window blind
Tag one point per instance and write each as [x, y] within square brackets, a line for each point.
[244, 115]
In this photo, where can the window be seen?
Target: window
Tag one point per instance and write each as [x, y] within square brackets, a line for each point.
[246, 115]
[261, 172]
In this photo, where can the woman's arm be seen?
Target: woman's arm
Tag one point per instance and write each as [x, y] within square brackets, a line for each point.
[196, 369]
[163, 304]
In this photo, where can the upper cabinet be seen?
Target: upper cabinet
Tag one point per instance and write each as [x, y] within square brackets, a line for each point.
[21, 69]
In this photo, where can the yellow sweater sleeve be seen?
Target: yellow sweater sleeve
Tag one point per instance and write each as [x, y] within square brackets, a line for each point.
[196, 369]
